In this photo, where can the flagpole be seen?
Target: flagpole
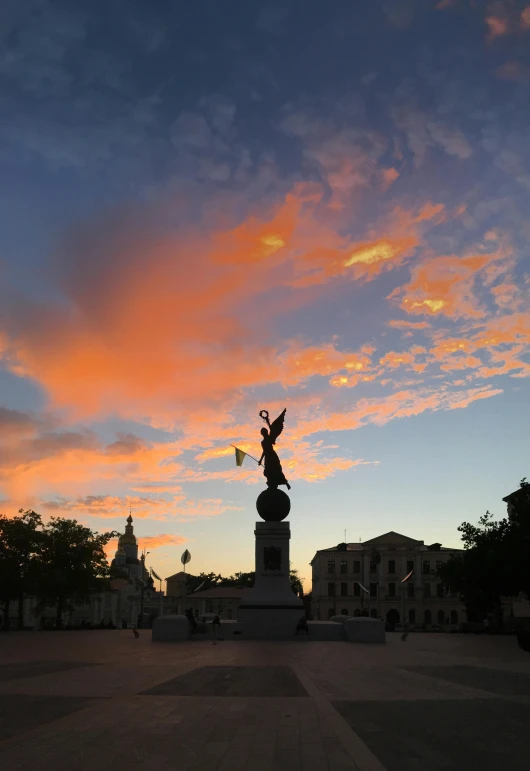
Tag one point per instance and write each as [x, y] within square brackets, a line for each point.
[246, 453]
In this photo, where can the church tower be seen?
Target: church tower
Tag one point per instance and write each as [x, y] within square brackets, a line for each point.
[126, 556]
[128, 541]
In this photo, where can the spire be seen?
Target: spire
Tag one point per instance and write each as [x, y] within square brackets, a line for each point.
[128, 537]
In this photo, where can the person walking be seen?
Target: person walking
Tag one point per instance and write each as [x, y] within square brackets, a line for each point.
[216, 628]
[302, 626]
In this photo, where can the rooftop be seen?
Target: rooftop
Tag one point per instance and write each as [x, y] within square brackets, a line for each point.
[391, 538]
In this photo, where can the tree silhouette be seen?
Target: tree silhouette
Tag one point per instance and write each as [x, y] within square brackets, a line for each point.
[494, 563]
[72, 564]
[20, 542]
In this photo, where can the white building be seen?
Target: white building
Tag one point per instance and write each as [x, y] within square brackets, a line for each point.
[341, 573]
[132, 597]
[223, 600]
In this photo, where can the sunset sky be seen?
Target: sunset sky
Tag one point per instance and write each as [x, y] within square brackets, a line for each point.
[213, 207]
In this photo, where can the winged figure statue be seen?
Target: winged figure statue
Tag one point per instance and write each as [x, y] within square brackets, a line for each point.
[273, 468]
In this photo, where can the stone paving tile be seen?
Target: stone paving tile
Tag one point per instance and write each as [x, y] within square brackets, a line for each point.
[475, 735]
[20, 713]
[500, 682]
[340, 761]
[232, 681]
[26, 669]
[262, 733]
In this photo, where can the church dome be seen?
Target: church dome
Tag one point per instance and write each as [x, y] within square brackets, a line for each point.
[128, 538]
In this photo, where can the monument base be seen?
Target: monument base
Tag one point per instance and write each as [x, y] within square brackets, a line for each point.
[254, 630]
[271, 601]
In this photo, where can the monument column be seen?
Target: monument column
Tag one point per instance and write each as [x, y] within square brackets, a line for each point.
[271, 601]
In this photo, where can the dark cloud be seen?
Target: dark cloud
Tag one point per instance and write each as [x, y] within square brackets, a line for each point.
[15, 422]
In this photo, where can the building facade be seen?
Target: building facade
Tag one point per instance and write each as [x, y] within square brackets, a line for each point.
[223, 600]
[366, 578]
[132, 601]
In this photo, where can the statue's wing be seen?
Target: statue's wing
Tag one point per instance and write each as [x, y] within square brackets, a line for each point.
[277, 426]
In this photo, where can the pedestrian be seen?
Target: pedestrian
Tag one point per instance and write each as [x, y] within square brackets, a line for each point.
[191, 619]
[302, 626]
[216, 628]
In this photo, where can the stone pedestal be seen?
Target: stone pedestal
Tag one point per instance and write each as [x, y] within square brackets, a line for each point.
[171, 628]
[365, 630]
[271, 601]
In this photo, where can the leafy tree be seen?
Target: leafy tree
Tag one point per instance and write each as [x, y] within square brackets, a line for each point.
[20, 543]
[247, 580]
[296, 581]
[203, 580]
[72, 563]
[494, 563]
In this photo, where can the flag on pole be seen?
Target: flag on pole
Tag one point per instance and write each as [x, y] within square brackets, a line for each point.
[240, 456]
[155, 575]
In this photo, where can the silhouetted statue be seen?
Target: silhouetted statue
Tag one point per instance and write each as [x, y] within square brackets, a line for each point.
[273, 468]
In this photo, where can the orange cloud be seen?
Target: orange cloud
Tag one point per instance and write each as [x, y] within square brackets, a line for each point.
[389, 176]
[446, 285]
[497, 26]
[513, 71]
[510, 334]
[151, 323]
[393, 360]
[148, 542]
[398, 324]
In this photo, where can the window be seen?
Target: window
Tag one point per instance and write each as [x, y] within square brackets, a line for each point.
[331, 589]
[356, 590]
[440, 617]
[427, 616]
[343, 566]
[391, 590]
[426, 590]
[331, 566]
[412, 616]
[439, 564]
[410, 589]
[331, 612]
[410, 565]
[229, 614]
[373, 590]
[454, 617]
[426, 566]
[344, 612]
[344, 590]
[391, 566]
[439, 590]
[357, 566]
[373, 566]
[373, 613]
[356, 612]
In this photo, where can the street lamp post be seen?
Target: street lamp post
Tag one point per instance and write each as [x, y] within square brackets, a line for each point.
[404, 589]
[142, 586]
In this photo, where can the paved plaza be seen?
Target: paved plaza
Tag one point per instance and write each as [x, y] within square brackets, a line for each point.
[98, 700]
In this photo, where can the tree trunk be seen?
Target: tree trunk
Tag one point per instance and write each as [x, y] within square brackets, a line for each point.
[6, 615]
[59, 614]
[21, 611]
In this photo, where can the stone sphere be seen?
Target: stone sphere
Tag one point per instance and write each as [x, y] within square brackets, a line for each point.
[273, 505]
